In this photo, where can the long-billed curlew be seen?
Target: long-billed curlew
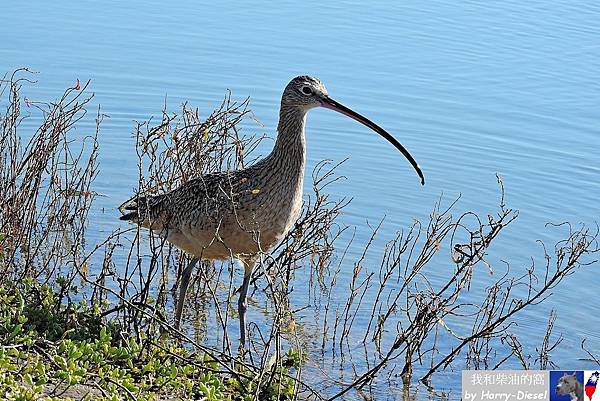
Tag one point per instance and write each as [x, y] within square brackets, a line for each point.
[239, 214]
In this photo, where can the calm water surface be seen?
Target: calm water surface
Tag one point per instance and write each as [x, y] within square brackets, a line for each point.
[471, 88]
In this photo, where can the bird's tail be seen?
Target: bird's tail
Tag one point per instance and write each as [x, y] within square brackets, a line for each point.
[130, 209]
[145, 210]
[131, 216]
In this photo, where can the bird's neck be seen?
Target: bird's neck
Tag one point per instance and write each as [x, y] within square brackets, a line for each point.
[290, 147]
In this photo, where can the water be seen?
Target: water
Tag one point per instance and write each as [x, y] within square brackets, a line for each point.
[471, 89]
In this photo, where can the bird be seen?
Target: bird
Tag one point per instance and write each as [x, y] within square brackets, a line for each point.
[243, 213]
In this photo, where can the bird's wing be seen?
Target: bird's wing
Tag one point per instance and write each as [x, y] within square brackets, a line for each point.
[199, 198]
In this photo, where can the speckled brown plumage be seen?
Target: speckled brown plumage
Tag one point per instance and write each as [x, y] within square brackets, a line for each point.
[239, 214]
[226, 214]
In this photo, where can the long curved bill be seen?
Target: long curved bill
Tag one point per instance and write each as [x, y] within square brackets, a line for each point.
[329, 103]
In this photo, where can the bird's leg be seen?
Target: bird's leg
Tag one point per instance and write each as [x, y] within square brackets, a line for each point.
[183, 286]
[242, 304]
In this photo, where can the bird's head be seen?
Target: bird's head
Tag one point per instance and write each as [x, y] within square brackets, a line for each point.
[305, 93]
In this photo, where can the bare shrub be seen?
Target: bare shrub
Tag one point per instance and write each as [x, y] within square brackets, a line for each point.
[413, 320]
[45, 182]
[418, 324]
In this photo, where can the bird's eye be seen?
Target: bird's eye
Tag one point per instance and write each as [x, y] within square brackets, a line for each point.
[306, 90]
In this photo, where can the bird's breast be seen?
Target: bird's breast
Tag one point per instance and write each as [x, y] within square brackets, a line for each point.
[281, 207]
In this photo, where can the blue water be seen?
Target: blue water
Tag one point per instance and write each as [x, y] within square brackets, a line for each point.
[471, 88]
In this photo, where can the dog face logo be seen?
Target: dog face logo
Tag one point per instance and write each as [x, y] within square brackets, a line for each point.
[569, 385]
